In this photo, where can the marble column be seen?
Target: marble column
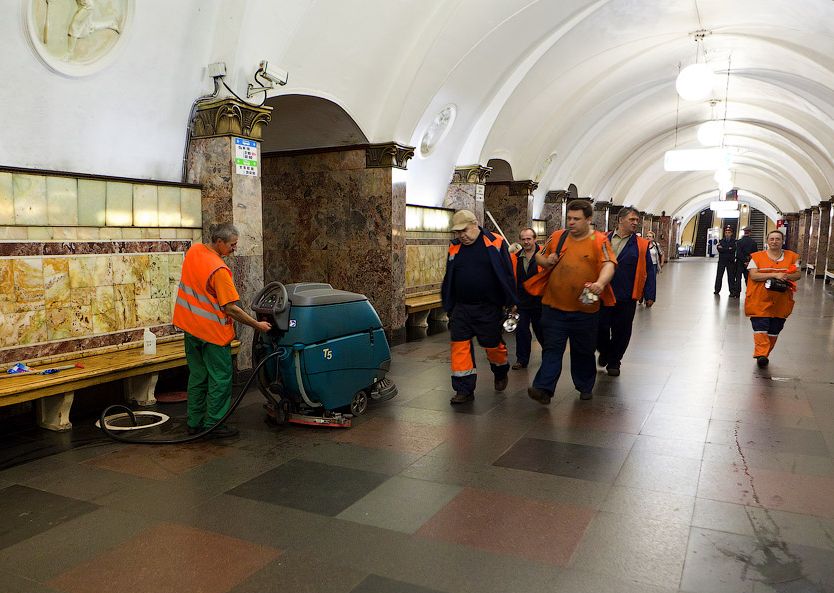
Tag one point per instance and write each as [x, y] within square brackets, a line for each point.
[338, 216]
[601, 215]
[803, 236]
[466, 191]
[232, 194]
[792, 230]
[673, 238]
[829, 267]
[645, 223]
[613, 212]
[511, 204]
[813, 236]
[823, 234]
[665, 235]
[655, 224]
[552, 210]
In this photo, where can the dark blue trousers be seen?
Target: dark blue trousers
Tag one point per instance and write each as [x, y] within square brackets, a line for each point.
[615, 331]
[557, 328]
[523, 337]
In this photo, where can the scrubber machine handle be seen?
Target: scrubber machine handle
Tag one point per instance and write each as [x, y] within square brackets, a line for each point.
[272, 304]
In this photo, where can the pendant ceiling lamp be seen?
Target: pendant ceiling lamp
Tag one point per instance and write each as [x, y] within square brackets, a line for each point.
[695, 82]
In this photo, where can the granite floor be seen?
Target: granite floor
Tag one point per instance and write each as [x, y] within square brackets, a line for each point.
[694, 471]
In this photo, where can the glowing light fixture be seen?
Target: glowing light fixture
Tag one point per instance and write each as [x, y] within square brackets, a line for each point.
[695, 82]
[723, 205]
[697, 159]
[728, 214]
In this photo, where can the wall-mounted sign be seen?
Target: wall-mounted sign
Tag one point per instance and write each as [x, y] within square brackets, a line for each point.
[246, 157]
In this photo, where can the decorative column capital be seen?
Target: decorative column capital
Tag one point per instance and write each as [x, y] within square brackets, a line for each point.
[471, 174]
[229, 117]
[556, 196]
[525, 187]
[388, 155]
[601, 205]
[791, 215]
[824, 204]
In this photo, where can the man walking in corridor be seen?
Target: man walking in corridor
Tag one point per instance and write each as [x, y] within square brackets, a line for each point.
[727, 261]
[634, 280]
[529, 306]
[477, 285]
[582, 264]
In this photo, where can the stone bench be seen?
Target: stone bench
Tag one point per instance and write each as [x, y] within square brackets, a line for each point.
[419, 307]
[54, 393]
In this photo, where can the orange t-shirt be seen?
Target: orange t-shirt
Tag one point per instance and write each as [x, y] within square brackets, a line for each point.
[580, 263]
[221, 285]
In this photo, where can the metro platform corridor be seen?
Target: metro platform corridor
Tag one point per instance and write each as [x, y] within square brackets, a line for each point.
[693, 471]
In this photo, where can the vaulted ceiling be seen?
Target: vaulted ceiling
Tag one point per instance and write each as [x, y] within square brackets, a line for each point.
[574, 91]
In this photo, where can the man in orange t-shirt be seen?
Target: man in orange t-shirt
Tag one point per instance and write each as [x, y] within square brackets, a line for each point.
[586, 261]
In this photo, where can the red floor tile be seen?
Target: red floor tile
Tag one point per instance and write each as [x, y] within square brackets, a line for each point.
[169, 558]
[535, 530]
[158, 463]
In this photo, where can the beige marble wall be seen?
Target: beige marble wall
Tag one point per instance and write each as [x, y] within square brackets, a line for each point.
[425, 266]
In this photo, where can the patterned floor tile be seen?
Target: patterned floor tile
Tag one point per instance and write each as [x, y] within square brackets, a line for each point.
[25, 512]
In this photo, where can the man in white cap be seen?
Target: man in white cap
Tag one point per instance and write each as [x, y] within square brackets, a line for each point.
[478, 284]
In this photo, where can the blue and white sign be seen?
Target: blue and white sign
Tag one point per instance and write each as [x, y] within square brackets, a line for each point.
[246, 157]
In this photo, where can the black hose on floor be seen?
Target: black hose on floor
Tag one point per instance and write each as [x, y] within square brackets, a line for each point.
[188, 439]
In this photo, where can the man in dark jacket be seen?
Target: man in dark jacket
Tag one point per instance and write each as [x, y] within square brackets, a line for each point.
[477, 286]
[727, 261]
[529, 306]
[634, 279]
[745, 247]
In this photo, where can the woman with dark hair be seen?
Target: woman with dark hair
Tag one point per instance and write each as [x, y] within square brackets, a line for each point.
[769, 298]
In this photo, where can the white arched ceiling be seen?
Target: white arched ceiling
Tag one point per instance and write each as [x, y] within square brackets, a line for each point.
[574, 91]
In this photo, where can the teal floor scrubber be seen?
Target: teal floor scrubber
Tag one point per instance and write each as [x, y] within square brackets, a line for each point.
[332, 354]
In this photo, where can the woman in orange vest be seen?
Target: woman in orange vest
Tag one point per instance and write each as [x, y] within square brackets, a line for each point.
[205, 307]
[769, 298]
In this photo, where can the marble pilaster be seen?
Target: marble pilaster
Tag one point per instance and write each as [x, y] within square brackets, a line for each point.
[613, 211]
[338, 217]
[673, 239]
[601, 215]
[466, 191]
[553, 210]
[510, 203]
[803, 236]
[791, 230]
[824, 236]
[813, 243]
[665, 235]
[231, 197]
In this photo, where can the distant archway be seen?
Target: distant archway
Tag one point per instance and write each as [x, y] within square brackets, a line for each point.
[302, 122]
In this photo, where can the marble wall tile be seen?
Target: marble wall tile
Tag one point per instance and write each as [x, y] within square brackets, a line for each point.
[6, 199]
[39, 233]
[125, 301]
[145, 206]
[59, 321]
[131, 233]
[82, 297]
[88, 233]
[169, 206]
[104, 310]
[8, 329]
[62, 201]
[191, 213]
[119, 209]
[142, 285]
[148, 233]
[169, 233]
[82, 272]
[92, 202]
[29, 199]
[32, 327]
[28, 273]
[64, 233]
[152, 311]
[56, 280]
[111, 233]
[13, 233]
[158, 276]
[424, 264]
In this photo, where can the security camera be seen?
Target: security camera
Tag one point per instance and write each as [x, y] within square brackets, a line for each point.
[274, 75]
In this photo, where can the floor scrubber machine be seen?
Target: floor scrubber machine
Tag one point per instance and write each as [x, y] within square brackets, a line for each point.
[332, 355]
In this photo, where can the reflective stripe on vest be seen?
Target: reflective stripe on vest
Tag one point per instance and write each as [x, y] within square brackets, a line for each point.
[195, 310]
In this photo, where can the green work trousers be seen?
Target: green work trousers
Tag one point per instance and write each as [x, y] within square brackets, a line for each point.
[209, 381]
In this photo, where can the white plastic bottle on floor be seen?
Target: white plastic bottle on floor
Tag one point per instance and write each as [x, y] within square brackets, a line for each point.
[150, 342]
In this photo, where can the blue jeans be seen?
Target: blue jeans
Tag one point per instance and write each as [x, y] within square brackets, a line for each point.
[523, 337]
[557, 328]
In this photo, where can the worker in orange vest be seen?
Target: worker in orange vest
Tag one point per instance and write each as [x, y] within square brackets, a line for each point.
[205, 307]
[633, 281]
[769, 298]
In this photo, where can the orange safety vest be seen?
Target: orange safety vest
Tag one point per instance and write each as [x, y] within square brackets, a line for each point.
[761, 302]
[607, 295]
[197, 311]
[641, 274]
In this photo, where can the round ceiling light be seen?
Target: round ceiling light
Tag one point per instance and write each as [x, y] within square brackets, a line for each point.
[695, 82]
[710, 133]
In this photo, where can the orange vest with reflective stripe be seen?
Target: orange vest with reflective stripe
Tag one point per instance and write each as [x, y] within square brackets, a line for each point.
[641, 274]
[196, 311]
[761, 302]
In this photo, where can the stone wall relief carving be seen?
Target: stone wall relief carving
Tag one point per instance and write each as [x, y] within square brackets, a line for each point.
[76, 37]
